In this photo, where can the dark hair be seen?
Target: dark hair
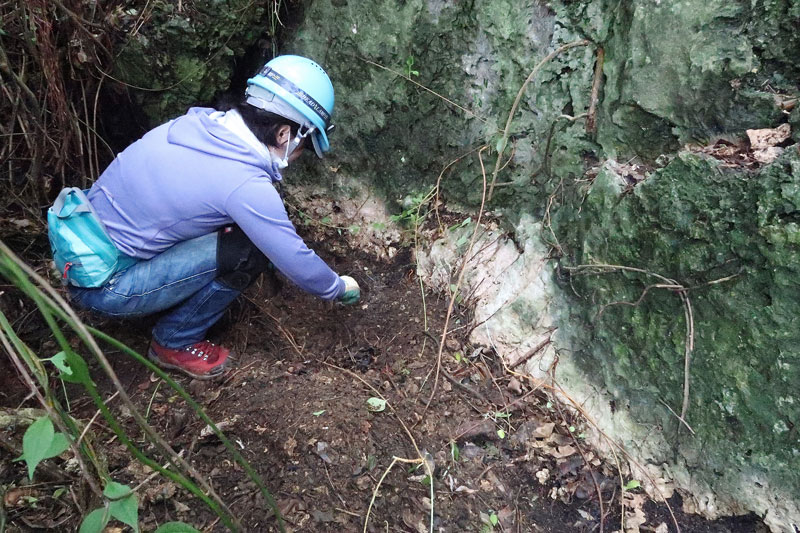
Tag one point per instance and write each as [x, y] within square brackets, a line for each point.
[263, 124]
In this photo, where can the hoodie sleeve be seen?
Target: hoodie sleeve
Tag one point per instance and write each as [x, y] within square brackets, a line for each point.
[258, 209]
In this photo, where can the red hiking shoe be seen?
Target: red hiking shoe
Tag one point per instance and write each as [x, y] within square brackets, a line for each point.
[203, 360]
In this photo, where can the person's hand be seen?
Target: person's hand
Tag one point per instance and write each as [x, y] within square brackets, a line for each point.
[352, 292]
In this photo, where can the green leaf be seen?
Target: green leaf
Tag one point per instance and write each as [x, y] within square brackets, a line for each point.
[325, 220]
[501, 433]
[115, 491]
[317, 413]
[176, 527]
[36, 443]
[126, 510]
[632, 484]
[124, 505]
[493, 519]
[79, 372]
[376, 405]
[354, 228]
[455, 453]
[462, 241]
[95, 521]
[60, 362]
[58, 445]
[59, 492]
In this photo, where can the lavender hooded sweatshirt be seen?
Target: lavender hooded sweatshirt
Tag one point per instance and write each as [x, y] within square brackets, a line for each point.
[191, 176]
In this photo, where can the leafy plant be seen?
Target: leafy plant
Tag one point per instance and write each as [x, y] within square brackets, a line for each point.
[463, 224]
[41, 441]
[489, 521]
[455, 452]
[409, 70]
[632, 484]
[121, 504]
[412, 206]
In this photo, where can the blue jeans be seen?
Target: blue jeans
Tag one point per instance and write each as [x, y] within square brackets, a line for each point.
[181, 279]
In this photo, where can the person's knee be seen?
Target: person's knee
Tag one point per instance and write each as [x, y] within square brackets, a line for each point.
[239, 262]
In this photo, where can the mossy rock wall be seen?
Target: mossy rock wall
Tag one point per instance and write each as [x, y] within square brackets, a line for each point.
[673, 73]
[471, 58]
[178, 54]
[732, 238]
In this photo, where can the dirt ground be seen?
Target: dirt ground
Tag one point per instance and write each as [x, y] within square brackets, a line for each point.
[507, 459]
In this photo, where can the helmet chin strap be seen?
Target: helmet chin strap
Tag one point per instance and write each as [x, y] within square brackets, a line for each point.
[292, 145]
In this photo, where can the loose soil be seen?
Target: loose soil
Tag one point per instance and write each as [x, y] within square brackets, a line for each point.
[506, 457]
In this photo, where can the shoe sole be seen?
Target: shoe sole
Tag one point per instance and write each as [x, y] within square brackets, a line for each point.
[215, 373]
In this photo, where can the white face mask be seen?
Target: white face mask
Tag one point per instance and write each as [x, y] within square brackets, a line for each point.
[280, 162]
[290, 147]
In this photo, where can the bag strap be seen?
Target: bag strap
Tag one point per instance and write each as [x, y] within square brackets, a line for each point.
[65, 205]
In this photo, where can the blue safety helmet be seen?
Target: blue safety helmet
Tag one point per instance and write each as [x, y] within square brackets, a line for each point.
[298, 89]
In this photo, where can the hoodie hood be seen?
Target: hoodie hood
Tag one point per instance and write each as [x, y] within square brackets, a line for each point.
[199, 131]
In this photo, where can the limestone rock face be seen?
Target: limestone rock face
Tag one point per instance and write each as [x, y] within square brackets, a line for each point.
[619, 328]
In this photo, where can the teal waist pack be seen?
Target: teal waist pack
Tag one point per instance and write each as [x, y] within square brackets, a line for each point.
[83, 252]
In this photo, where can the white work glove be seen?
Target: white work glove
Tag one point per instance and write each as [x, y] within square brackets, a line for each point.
[352, 292]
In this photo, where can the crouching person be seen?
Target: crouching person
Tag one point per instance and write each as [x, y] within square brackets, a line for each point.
[187, 217]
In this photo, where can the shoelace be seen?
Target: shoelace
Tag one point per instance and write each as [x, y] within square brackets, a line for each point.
[199, 352]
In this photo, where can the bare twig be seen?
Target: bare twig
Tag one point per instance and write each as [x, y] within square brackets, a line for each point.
[458, 284]
[586, 462]
[669, 284]
[395, 460]
[452, 103]
[533, 351]
[591, 116]
[578, 407]
[420, 455]
[682, 421]
[556, 388]
[86, 429]
[507, 129]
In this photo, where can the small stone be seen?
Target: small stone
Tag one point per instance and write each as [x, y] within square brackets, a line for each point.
[543, 475]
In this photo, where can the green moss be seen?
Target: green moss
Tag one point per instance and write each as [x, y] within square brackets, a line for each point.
[697, 222]
[399, 137]
[701, 78]
[185, 57]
